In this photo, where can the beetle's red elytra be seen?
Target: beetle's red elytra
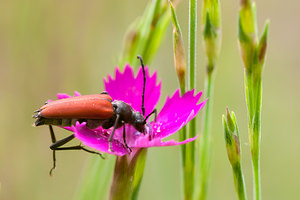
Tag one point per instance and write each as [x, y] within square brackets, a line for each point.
[96, 106]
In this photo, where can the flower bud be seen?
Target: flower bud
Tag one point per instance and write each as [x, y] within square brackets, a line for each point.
[178, 47]
[252, 51]
[211, 23]
[247, 32]
[231, 135]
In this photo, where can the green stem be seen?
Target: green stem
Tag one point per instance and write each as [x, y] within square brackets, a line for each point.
[139, 172]
[239, 181]
[189, 169]
[182, 137]
[205, 142]
[183, 131]
[256, 139]
[256, 173]
[192, 43]
[254, 102]
[124, 186]
[249, 94]
[121, 187]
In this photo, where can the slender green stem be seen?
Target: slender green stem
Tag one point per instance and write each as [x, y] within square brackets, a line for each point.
[256, 173]
[183, 131]
[254, 101]
[192, 43]
[189, 168]
[239, 181]
[182, 137]
[205, 142]
[249, 94]
[255, 151]
[256, 139]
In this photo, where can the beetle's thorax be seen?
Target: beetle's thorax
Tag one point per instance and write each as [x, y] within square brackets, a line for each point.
[128, 115]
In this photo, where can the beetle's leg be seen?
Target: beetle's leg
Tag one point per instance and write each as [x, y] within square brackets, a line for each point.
[112, 134]
[78, 147]
[53, 139]
[59, 143]
[56, 146]
[54, 163]
[155, 115]
[124, 138]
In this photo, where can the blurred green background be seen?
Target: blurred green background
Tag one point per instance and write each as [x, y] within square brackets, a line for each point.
[55, 46]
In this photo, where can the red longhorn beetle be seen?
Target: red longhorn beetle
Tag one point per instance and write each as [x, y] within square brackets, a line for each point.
[96, 110]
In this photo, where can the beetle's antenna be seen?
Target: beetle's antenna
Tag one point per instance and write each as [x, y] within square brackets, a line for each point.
[144, 74]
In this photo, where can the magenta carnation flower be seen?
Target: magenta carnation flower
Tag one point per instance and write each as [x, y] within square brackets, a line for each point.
[176, 112]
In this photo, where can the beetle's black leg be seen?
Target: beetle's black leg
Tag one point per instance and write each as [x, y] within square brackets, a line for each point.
[78, 147]
[53, 139]
[112, 134]
[54, 163]
[59, 143]
[56, 146]
[124, 138]
[155, 115]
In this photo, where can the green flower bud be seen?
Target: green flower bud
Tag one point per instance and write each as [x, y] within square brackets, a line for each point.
[252, 51]
[211, 23]
[247, 32]
[213, 8]
[232, 140]
[231, 134]
[178, 47]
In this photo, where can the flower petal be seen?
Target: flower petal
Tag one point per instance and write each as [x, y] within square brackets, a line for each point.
[98, 139]
[177, 111]
[76, 94]
[64, 95]
[144, 142]
[127, 88]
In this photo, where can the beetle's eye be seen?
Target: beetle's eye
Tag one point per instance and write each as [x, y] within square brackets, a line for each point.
[104, 92]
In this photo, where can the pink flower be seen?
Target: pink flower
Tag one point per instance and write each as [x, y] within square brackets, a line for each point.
[176, 112]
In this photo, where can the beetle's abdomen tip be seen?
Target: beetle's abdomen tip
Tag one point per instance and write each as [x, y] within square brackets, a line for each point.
[39, 121]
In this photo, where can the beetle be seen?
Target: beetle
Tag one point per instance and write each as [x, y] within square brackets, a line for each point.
[96, 110]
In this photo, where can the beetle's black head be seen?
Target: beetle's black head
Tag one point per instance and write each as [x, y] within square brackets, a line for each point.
[139, 122]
